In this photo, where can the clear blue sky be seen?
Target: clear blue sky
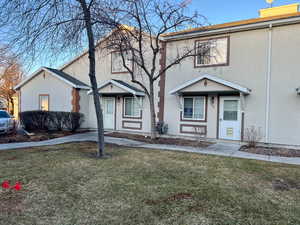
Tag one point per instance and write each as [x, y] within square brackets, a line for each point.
[216, 11]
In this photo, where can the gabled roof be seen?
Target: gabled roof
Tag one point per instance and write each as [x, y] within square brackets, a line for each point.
[72, 81]
[123, 85]
[212, 78]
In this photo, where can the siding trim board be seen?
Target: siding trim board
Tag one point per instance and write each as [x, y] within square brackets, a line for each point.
[75, 100]
[192, 132]
[162, 83]
[132, 122]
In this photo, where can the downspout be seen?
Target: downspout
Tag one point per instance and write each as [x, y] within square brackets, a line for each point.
[268, 84]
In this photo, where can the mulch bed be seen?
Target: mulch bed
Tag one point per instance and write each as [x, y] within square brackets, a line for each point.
[161, 140]
[283, 152]
[37, 136]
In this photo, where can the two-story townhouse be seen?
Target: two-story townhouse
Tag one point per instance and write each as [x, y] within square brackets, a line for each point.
[249, 77]
[124, 104]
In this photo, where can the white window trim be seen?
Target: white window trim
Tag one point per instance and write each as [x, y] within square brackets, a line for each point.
[124, 106]
[40, 101]
[213, 43]
[204, 108]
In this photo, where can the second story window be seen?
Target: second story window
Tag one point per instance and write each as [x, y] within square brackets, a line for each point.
[117, 62]
[213, 52]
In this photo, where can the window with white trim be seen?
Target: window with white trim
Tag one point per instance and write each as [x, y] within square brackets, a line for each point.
[44, 102]
[194, 108]
[212, 52]
[132, 107]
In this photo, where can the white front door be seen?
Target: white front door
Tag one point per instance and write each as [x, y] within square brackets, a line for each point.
[108, 107]
[230, 118]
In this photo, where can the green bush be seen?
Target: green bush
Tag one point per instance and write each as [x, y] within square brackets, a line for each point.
[51, 120]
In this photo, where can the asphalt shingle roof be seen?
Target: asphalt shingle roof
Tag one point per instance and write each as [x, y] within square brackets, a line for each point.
[67, 77]
[128, 85]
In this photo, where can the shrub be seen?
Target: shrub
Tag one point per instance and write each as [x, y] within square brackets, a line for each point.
[252, 136]
[73, 121]
[51, 120]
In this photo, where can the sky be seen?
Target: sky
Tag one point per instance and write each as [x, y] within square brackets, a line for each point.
[232, 10]
[215, 12]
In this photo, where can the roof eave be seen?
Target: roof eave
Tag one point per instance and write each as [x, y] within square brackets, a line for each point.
[253, 26]
[133, 92]
[243, 90]
[17, 87]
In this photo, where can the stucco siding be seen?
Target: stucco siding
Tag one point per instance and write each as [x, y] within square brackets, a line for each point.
[60, 93]
[79, 69]
[247, 67]
[285, 78]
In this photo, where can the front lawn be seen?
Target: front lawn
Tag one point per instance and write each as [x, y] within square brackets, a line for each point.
[63, 185]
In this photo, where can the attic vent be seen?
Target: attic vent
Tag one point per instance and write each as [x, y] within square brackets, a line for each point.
[280, 10]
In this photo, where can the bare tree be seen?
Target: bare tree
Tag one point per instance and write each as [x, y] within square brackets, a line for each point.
[45, 28]
[137, 29]
[10, 76]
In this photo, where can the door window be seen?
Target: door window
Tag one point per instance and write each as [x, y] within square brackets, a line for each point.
[109, 106]
[230, 110]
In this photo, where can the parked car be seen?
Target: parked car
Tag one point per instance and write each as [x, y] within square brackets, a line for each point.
[7, 122]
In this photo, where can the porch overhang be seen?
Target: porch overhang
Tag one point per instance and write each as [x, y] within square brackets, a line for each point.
[208, 84]
[118, 87]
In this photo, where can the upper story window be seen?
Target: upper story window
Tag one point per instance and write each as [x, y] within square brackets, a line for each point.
[117, 62]
[212, 52]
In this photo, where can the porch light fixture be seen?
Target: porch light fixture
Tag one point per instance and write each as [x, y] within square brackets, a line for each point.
[212, 100]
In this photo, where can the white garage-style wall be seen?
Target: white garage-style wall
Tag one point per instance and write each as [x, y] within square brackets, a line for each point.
[60, 93]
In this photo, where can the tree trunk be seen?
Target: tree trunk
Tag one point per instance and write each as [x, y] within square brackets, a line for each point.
[152, 112]
[92, 75]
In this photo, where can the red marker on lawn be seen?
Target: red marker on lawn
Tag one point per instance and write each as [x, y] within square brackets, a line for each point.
[5, 184]
[18, 186]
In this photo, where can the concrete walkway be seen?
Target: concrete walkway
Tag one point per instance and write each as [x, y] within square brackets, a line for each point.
[221, 149]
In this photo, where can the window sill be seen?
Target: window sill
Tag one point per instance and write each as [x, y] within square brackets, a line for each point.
[211, 65]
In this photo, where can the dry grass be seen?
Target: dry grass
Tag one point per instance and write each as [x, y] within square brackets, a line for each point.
[63, 185]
